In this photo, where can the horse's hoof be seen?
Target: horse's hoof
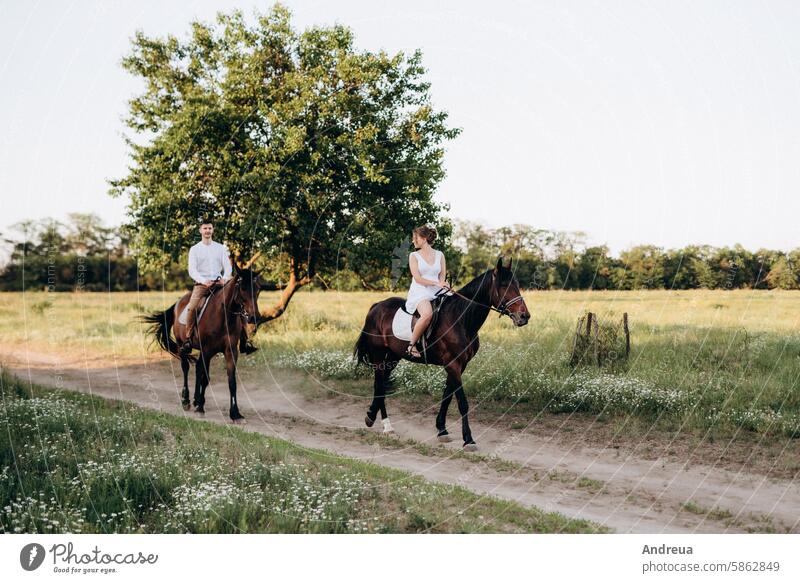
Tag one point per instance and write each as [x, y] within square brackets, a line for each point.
[471, 446]
[444, 438]
[240, 421]
[186, 406]
[370, 422]
[200, 412]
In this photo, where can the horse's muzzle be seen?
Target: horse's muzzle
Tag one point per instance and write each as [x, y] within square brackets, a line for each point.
[520, 318]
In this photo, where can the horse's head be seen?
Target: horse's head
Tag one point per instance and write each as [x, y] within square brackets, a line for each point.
[506, 296]
[247, 290]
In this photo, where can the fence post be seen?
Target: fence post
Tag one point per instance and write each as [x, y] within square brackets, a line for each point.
[627, 334]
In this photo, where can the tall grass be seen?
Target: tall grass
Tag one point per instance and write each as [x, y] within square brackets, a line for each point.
[727, 359]
[71, 463]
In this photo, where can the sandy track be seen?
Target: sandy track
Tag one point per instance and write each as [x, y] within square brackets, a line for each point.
[623, 492]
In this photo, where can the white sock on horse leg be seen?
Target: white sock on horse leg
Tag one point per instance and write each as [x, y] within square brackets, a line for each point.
[387, 426]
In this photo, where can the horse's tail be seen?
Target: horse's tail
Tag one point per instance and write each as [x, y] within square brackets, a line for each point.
[161, 330]
[361, 351]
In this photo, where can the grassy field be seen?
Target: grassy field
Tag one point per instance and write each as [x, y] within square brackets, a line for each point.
[71, 463]
[700, 359]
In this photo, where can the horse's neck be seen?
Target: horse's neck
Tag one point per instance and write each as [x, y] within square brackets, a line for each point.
[227, 294]
[477, 310]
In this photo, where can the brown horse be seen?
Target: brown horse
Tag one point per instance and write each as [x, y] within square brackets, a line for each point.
[452, 343]
[232, 306]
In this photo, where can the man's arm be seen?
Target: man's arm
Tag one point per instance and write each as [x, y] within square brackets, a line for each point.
[193, 272]
[227, 268]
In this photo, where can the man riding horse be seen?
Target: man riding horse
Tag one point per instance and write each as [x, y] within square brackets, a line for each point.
[210, 267]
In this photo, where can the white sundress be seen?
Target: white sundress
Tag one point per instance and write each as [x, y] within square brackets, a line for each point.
[418, 292]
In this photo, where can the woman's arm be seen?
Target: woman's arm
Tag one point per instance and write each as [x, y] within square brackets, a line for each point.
[414, 266]
[443, 273]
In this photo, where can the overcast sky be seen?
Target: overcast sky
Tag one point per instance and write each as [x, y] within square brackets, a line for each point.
[636, 122]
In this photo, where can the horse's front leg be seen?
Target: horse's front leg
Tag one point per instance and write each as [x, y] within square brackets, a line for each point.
[463, 408]
[185, 392]
[202, 379]
[441, 419]
[231, 356]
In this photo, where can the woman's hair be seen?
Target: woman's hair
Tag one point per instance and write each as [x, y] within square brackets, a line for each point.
[427, 232]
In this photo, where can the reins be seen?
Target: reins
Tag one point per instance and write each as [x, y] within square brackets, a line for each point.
[501, 309]
[242, 311]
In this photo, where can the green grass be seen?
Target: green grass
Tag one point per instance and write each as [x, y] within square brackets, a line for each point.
[713, 514]
[722, 360]
[72, 463]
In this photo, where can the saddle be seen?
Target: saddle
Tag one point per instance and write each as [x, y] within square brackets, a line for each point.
[403, 323]
[184, 317]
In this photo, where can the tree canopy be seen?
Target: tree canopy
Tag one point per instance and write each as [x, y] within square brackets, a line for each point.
[316, 155]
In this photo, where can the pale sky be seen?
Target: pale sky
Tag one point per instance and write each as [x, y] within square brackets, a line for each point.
[638, 122]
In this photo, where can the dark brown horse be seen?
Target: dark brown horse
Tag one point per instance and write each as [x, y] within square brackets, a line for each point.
[232, 306]
[452, 343]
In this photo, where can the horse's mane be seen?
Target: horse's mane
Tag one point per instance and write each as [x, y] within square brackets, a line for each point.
[476, 311]
[473, 311]
[247, 277]
[474, 287]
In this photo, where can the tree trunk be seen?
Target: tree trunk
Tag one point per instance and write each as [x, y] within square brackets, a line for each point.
[287, 292]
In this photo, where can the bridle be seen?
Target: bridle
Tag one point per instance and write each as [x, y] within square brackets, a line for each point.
[502, 307]
[242, 311]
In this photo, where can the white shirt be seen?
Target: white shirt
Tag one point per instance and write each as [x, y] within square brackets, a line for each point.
[208, 262]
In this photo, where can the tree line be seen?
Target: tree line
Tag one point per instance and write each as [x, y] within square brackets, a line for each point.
[316, 158]
[558, 260]
[82, 253]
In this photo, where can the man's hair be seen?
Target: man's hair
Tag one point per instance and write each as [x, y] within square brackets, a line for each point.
[206, 221]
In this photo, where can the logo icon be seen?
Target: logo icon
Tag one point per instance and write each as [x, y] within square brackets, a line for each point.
[31, 556]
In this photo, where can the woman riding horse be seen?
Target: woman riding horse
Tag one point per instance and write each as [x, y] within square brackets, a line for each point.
[428, 269]
[453, 343]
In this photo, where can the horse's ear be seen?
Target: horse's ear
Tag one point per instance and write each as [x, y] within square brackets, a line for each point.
[510, 261]
[499, 265]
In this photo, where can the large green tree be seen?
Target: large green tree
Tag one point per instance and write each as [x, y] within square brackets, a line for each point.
[307, 151]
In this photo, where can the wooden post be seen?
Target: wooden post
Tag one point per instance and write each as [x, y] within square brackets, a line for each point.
[627, 334]
[596, 341]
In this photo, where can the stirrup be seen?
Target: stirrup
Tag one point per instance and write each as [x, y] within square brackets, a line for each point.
[413, 352]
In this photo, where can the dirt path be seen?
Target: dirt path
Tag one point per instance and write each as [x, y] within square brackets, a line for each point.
[622, 491]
